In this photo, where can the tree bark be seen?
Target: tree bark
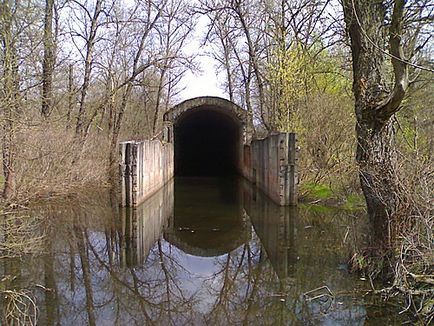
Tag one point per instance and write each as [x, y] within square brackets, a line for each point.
[48, 61]
[375, 106]
[9, 99]
[71, 95]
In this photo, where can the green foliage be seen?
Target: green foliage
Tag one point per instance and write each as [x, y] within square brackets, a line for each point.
[296, 75]
[317, 191]
[289, 75]
[328, 75]
[359, 262]
[415, 127]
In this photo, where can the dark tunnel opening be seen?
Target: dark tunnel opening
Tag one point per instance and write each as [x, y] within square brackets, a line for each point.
[206, 144]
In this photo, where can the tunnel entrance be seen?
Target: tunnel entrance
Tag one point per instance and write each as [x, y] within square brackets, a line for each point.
[209, 136]
[207, 143]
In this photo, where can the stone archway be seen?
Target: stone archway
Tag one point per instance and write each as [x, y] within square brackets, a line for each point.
[208, 135]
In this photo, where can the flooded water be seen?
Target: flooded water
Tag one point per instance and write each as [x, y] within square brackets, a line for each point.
[201, 251]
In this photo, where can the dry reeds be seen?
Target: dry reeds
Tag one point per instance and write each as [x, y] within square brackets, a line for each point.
[50, 162]
[21, 235]
[410, 260]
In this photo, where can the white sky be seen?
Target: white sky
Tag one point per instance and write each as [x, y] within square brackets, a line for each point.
[205, 82]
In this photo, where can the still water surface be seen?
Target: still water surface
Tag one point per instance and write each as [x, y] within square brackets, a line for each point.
[201, 251]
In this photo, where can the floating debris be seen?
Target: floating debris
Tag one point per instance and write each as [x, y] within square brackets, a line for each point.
[318, 293]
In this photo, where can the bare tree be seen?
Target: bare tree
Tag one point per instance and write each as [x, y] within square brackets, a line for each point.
[176, 26]
[9, 95]
[49, 60]
[153, 15]
[90, 38]
[250, 36]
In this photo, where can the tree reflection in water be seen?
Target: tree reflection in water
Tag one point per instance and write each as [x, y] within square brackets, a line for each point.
[201, 252]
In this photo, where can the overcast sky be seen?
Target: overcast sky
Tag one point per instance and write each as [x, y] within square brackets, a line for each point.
[205, 83]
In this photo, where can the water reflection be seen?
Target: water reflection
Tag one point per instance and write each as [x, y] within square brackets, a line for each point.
[208, 218]
[200, 251]
[142, 226]
[275, 226]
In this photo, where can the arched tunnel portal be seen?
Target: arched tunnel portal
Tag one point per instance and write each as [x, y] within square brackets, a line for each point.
[208, 135]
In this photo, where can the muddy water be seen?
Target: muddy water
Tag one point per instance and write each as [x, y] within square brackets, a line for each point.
[202, 251]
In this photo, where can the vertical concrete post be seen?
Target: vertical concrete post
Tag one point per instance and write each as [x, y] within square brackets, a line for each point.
[128, 175]
[167, 132]
[288, 169]
[122, 173]
[283, 170]
[134, 181]
[293, 171]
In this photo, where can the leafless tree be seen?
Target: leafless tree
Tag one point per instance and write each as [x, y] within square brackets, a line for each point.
[49, 59]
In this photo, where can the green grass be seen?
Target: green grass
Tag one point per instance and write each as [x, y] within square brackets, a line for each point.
[318, 191]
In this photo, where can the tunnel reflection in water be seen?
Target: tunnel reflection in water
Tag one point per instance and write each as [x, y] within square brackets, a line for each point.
[212, 223]
[207, 143]
[208, 228]
[213, 219]
[210, 217]
[147, 267]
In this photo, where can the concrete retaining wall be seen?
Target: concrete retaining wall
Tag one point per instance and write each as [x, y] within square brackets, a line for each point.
[270, 164]
[145, 167]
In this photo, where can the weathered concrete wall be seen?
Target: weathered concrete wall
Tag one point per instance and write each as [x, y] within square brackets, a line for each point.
[145, 167]
[271, 164]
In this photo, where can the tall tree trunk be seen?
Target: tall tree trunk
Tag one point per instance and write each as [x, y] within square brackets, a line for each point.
[116, 118]
[375, 106]
[90, 45]
[376, 157]
[9, 99]
[71, 95]
[227, 63]
[253, 61]
[48, 62]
